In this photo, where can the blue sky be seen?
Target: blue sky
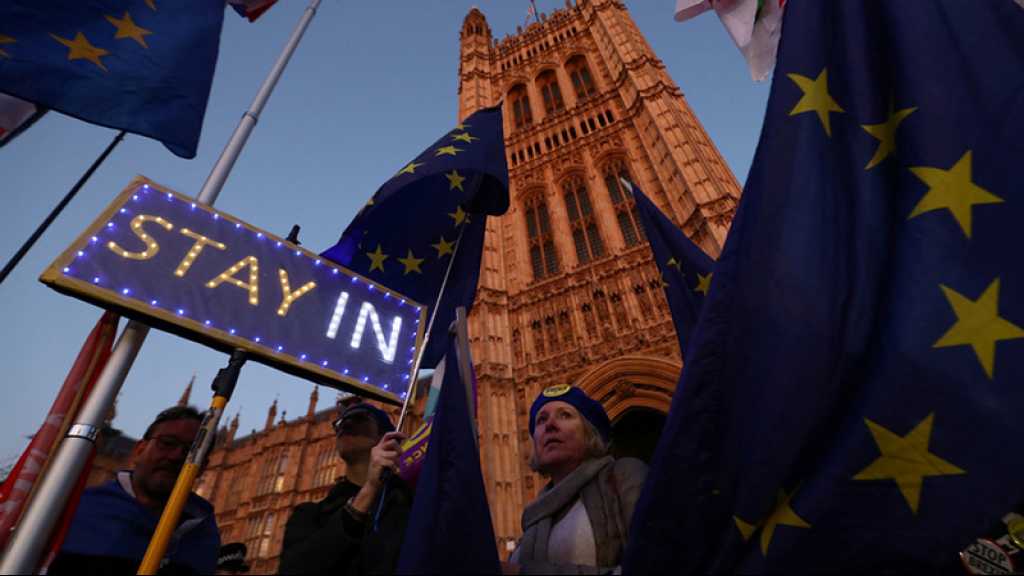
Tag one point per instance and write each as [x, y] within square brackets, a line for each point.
[372, 84]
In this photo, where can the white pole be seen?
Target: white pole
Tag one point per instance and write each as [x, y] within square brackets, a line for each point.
[32, 532]
[219, 174]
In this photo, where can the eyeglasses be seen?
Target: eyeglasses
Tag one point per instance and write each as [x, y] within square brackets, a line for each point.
[351, 423]
[169, 443]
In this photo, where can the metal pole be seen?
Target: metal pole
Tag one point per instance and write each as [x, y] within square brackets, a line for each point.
[465, 370]
[223, 387]
[59, 208]
[386, 475]
[219, 174]
[34, 528]
[426, 338]
[25, 547]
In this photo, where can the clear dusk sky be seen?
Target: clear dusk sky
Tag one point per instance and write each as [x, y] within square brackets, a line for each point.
[372, 84]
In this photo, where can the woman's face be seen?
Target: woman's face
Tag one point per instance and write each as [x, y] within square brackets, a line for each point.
[559, 439]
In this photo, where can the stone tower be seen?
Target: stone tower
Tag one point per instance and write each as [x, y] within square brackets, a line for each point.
[568, 290]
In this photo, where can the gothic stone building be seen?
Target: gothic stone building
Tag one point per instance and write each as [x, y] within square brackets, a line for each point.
[568, 290]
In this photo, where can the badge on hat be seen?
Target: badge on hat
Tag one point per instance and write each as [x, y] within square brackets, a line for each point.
[1016, 531]
[986, 557]
[556, 391]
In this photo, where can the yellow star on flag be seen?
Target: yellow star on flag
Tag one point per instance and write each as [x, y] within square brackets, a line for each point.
[952, 189]
[411, 263]
[81, 49]
[462, 127]
[664, 283]
[459, 215]
[906, 460]
[978, 325]
[444, 247]
[816, 98]
[447, 151]
[411, 168]
[746, 530]
[672, 262]
[377, 258]
[126, 28]
[885, 133]
[455, 180]
[465, 137]
[783, 515]
[704, 283]
[6, 40]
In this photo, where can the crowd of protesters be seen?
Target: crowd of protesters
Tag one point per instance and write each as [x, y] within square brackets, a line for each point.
[577, 525]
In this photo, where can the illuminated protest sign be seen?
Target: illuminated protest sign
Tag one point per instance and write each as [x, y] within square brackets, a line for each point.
[160, 257]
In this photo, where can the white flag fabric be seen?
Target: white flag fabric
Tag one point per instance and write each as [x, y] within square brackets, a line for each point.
[754, 25]
[14, 113]
[686, 9]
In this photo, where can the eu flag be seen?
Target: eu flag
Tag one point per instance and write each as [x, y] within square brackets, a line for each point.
[854, 386]
[449, 529]
[144, 66]
[685, 269]
[433, 210]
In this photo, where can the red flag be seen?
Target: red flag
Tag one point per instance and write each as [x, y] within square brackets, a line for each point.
[15, 116]
[18, 486]
[251, 9]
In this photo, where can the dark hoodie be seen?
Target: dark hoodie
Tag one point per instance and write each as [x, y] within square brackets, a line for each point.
[111, 531]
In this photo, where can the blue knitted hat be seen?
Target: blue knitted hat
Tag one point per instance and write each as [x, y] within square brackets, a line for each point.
[588, 407]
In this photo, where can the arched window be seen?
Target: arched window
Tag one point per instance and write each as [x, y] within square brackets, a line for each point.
[521, 114]
[548, 84]
[582, 81]
[543, 257]
[581, 219]
[622, 199]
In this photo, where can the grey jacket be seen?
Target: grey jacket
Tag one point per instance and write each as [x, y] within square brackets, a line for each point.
[609, 490]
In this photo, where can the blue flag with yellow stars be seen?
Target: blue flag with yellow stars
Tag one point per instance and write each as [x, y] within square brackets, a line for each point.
[449, 530]
[144, 66]
[433, 210]
[854, 389]
[685, 268]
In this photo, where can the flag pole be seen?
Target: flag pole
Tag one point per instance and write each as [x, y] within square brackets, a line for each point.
[426, 337]
[26, 545]
[223, 388]
[386, 475]
[41, 229]
[461, 329]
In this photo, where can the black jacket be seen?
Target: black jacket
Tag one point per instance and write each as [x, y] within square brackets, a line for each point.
[322, 537]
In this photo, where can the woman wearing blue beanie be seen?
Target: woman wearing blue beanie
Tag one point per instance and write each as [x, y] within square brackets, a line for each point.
[579, 524]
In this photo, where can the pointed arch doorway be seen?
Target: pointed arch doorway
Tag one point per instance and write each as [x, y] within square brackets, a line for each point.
[636, 391]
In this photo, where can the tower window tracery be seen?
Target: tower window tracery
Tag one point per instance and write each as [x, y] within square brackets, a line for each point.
[543, 256]
[582, 81]
[522, 116]
[585, 235]
[551, 93]
[625, 207]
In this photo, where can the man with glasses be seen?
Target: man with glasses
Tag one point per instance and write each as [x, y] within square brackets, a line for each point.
[340, 534]
[114, 522]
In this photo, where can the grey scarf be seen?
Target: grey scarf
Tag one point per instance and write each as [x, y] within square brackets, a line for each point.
[539, 515]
